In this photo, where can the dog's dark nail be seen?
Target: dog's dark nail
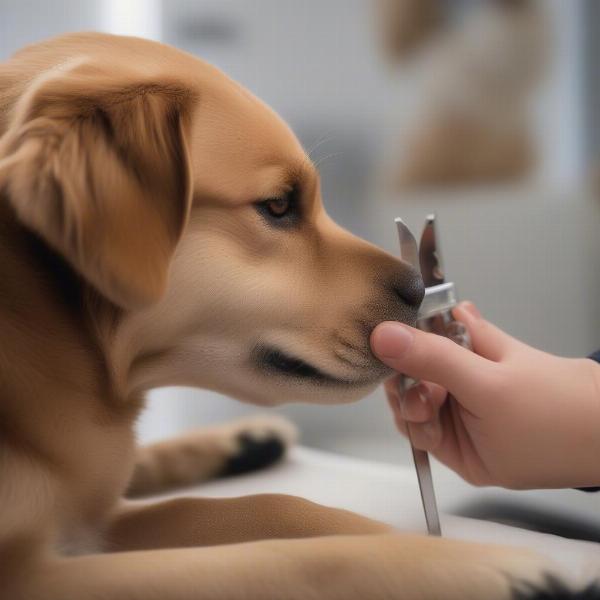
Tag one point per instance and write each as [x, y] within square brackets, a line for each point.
[554, 589]
[254, 454]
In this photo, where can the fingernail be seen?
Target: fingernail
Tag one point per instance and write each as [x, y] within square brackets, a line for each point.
[471, 309]
[391, 340]
[424, 395]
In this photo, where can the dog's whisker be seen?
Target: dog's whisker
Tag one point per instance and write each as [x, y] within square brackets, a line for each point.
[326, 137]
[358, 349]
[355, 365]
[347, 344]
[327, 157]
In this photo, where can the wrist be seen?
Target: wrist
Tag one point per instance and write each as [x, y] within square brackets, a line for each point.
[571, 425]
[589, 421]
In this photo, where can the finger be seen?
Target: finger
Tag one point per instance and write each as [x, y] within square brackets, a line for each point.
[426, 436]
[431, 357]
[429, 394]
[488, 340]
[422, 402]
[392, 387]
[398, 420]
[401, 426]
[394, 402]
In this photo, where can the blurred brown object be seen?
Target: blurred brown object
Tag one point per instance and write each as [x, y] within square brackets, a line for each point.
[406, 24]
[477, 79]
[454, 151]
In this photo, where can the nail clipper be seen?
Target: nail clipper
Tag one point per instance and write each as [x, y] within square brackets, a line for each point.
[434, 316]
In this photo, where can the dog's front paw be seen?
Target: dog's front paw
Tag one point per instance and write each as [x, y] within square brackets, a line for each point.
[258, 442]
[202, 454]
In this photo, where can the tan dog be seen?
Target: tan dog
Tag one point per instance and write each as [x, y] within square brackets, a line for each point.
[159, 225]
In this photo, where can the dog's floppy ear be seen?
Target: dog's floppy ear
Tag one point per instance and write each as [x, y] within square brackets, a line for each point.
[95, 162]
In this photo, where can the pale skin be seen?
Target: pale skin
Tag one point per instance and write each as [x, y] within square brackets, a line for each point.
[516, 417]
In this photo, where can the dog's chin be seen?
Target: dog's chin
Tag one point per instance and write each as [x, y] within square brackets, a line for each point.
[309, 382]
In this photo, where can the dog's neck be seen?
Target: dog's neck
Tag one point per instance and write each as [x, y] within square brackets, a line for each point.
[58, 403]
[51, 327]
[54, 326]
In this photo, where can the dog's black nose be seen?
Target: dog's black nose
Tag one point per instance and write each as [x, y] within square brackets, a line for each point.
[408, 287]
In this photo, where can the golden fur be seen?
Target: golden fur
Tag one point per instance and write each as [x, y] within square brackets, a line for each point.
[133, 256]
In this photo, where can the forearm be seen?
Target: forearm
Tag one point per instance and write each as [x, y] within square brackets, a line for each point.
[594, 456]
[572, 427]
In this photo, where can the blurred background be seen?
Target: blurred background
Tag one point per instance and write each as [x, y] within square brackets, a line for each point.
[484, 111]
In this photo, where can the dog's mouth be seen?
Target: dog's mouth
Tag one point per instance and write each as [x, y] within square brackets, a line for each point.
[273, 360]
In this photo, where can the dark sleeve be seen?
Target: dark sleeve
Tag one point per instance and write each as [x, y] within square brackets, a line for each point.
[595, 356]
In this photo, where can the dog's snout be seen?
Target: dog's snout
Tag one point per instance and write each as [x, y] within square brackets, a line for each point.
[408, 287]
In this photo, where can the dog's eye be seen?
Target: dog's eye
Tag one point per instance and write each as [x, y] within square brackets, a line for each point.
[278, 207]
[280, 212]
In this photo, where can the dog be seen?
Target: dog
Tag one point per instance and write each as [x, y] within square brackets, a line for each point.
[162, 226]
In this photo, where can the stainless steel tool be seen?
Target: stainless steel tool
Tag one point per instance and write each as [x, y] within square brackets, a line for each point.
[435, 316]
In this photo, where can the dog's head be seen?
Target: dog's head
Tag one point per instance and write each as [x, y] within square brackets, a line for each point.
[187, 203]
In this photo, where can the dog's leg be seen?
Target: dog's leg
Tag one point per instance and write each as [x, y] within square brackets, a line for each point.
[202, 454]
[209, 522]
[378, 567]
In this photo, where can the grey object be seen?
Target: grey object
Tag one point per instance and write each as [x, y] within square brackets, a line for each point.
[435, 316]
[409, 253]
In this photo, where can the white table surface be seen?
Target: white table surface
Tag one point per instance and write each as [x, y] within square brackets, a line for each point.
[390, 494]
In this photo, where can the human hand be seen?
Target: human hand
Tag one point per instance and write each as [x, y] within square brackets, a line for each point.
[516, 417]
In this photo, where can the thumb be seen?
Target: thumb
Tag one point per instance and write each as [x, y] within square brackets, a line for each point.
[428, 356]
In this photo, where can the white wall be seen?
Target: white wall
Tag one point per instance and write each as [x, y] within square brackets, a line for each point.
[527, 255]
